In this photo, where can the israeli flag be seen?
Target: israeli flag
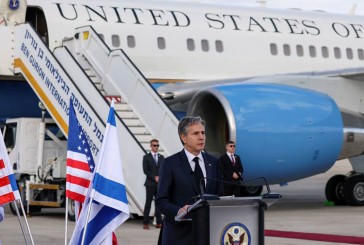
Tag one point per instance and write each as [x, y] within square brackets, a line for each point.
[109, 206]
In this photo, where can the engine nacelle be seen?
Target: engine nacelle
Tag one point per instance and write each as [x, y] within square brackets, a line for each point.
[283, 133]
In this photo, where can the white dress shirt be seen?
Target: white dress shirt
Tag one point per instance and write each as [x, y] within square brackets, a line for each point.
[201, 162]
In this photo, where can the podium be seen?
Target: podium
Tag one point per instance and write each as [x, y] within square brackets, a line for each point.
[229, 220]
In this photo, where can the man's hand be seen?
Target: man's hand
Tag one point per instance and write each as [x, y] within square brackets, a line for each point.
[183, 209]
[156, 179]
[235, 176]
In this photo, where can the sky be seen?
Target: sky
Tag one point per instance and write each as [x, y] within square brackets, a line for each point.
[332, 6]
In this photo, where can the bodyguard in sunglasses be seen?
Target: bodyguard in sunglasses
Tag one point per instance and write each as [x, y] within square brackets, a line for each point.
[151, 165]
[232, 170]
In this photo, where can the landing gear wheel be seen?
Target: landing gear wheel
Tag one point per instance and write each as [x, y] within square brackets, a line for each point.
[354, 190]
[334, 190]
[249, 191]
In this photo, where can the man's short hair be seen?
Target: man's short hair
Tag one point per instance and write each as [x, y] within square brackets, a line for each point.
[230, 142]
[154, 140]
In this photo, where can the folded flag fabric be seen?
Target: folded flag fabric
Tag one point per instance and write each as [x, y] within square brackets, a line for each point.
[8, 186]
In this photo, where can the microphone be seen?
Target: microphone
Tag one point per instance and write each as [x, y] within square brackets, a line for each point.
[212, 196]
[221, 181]
[241, 182]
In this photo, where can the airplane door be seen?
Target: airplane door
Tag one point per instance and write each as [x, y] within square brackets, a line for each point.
[37, 18]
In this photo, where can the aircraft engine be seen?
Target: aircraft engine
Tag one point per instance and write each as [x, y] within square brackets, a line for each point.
[283, 133]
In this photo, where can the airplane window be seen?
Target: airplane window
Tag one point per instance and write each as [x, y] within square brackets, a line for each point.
[161, 43]
[131, 41]
[299, 50]
[273, 49]
[349, 53]
[361, 54]
[190, 44]
[205, 45]
[219, 46]
[115, 40]
[286, 50]
[337, 53]
[325, 52]
[312, 51]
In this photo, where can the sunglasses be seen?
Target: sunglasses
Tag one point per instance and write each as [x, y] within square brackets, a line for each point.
[155, 145]
[231, 145]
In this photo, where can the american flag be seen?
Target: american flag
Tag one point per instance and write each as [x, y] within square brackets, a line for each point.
[8, 186]
[80, 163]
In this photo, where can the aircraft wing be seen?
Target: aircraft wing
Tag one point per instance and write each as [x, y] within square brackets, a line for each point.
[181, 93]
[356, 73]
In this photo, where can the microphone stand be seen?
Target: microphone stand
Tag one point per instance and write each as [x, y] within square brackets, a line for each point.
[267, 195]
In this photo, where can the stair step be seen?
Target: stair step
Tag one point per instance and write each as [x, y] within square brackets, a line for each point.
[132, 122]
[98, 85]
[94, 79]
[127, 115]
[143, 138]
[146, 146]
[139, 130]
[122, 107]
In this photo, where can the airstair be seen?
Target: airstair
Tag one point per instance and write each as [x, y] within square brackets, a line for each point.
[86, 70]
[113, 73]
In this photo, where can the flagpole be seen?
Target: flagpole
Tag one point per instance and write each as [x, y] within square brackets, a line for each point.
[66, 223]
[21, 223]
[26, 222]
[87, 218]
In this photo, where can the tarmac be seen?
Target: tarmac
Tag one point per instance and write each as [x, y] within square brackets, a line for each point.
[301, 213]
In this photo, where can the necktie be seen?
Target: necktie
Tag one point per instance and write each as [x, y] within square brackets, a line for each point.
[233, 159]
[155, 159]
[198, 174]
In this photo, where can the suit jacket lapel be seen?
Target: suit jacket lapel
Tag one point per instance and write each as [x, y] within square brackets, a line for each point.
[208, 172]
[185, 165]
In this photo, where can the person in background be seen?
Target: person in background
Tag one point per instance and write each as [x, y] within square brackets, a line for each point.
[182, 179]
[232, 170]
[151, 165]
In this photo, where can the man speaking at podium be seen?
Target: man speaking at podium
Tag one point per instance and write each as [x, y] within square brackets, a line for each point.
[181, 180]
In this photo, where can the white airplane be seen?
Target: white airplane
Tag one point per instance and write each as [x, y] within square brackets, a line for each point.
[286, 85]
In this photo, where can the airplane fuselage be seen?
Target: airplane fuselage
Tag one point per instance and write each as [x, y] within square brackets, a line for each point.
[192, 41]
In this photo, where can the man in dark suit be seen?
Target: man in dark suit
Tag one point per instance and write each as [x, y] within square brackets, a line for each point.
[151, 164]
[182, 180]
[232, 170]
